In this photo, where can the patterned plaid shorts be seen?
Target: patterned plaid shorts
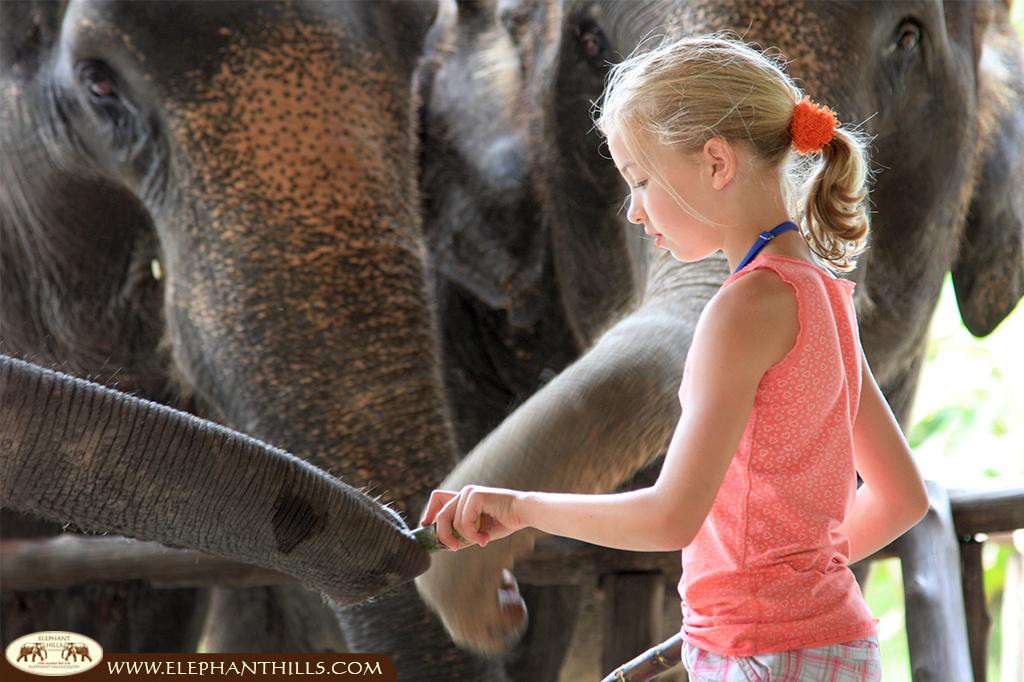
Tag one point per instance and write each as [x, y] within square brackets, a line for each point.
[856, 661]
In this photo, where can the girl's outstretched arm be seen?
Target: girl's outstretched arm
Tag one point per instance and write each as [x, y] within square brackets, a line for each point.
[478, 514]
[893, 497]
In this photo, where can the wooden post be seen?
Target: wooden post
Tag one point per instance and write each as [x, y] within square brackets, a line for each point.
[978, 618]
[632, 615]
[936, 623]
[1012, 619]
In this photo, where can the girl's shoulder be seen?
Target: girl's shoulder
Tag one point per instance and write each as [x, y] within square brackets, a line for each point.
[759, 307]
[758, 291]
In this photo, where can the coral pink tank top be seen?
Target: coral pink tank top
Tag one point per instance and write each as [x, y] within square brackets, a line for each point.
[767, 570]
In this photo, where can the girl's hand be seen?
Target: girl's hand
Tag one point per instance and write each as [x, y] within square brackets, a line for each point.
[474, 515]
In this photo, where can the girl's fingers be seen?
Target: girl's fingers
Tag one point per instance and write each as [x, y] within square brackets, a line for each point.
[469, 518]
[446, 531]
[438, 499]
[459, 517]
[457, 525]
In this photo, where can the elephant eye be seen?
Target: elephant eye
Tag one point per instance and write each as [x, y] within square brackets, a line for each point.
[102, 88]
[105, 95]
[909, 35]
[96, 77]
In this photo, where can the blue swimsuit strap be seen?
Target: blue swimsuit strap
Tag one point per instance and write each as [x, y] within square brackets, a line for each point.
[762, 241]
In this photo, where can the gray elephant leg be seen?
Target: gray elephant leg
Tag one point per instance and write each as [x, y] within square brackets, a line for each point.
[395, 621]
[277, 618]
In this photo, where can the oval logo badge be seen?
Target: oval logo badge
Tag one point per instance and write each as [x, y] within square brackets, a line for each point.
[54, 652]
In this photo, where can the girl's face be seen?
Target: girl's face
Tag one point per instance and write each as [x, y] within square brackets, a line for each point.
[687, 237]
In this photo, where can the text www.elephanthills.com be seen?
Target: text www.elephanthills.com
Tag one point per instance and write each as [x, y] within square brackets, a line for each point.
[245, 668]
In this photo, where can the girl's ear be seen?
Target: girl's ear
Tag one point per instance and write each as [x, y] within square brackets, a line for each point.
[720, 158]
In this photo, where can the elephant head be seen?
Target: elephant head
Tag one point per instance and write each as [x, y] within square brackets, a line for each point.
[285, 221]
[266, 175]
[939, 86]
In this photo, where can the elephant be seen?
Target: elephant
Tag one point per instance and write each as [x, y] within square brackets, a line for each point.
[922, 72]
[33, 650]
[235, 230]
[74, 652]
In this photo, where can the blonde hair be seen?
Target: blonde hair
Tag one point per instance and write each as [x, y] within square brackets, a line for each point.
[684, 92]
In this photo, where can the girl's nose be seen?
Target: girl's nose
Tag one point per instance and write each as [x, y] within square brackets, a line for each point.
[634, 215]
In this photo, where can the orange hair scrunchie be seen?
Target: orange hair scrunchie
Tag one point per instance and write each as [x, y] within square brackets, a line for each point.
[813, 126]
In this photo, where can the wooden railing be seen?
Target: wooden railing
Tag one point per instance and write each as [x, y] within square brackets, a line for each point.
[978, 515]
[633, 582]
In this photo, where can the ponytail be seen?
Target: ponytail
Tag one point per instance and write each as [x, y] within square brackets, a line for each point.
[834, 208]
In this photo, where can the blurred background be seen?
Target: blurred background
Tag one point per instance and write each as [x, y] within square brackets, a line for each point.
[967, 433]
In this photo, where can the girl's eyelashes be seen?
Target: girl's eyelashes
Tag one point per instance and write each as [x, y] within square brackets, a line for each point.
[639, 185]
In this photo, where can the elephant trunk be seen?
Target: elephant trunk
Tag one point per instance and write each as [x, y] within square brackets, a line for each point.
[69, 445]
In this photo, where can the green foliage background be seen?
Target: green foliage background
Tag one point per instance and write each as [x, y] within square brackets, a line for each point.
[965, 433]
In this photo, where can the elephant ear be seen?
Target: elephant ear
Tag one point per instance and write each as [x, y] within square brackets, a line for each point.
[988, 274]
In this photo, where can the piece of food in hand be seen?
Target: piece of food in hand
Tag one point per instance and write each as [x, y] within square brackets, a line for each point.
[427, 536]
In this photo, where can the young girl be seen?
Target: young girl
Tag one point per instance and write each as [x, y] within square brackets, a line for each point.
[779, 408]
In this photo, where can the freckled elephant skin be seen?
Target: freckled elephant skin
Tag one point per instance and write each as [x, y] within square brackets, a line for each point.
[632, 313]
[270, 170]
